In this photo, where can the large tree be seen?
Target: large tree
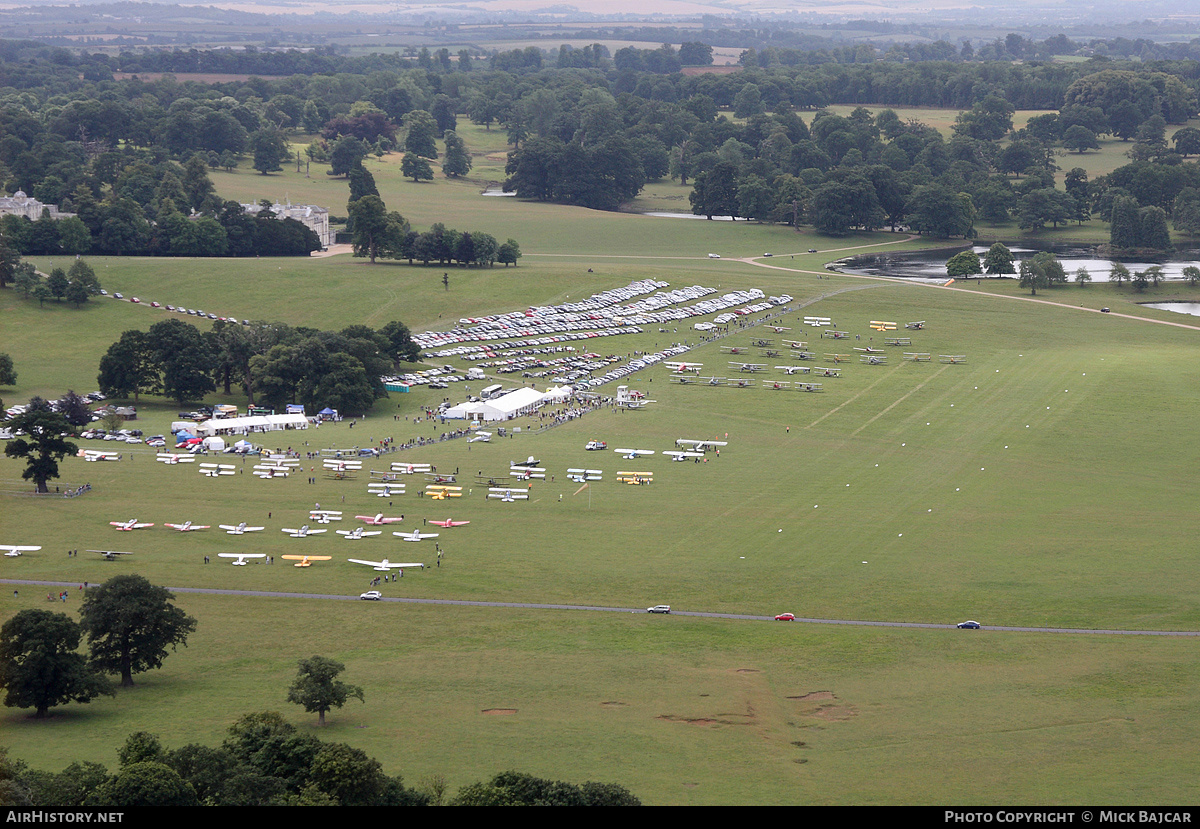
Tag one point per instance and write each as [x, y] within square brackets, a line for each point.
[42, 445]
[457, 161]
[8, 377]
[318, 689]
[40, 666]
[998, 260]
[129, 367]
[964, 264]
[130, 623]
[1042, 270]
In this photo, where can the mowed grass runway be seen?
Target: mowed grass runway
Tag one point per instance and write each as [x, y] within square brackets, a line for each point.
[1046, 482]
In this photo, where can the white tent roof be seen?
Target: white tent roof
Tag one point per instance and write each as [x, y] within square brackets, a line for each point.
[255, 423]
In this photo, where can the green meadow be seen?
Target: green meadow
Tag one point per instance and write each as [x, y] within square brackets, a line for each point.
[1047, 483]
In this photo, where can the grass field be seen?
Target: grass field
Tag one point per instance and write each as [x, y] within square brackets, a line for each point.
[1045, 483]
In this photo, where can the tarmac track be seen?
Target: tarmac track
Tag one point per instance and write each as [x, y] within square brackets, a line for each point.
[602, 609]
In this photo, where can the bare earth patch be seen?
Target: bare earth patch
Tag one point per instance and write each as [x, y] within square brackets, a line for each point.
[499, 711]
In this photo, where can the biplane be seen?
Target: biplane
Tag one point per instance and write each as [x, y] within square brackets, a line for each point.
[817, 322]
[240, 558]
[918, 356]
[239, 529]
[869, 350]
[953, 359]
[881, 325]
[827, 372]
[447, 524]
[358, 533]
[525, 473]
[873, 359]
[439, 478]
[174, 458]
[378, 520]
[635, 478]
[507, 495]
[271, 471]
[411, 468]
[110, 555]
[804, 355]
[777, 385]
[633, 454]
[213, 470]
[305, 561]
[92, 455]
[386, 565]
[762, 343]
[677, 455]
[738, 383]
[682, 368]
[415, 535]
[789, 370]
[834, 334]
[701, 445]
[334, 465]
[778, 329]
[734, 349]
[916, 326]
[385, 476]
[129, 526]
[837, 358]
[385, 490]
[580, 476]
[795, 344]
[684, 381]
[324, 516]
[714, 380]
[302, 532]
[187, 527]
[771, 352]
[440, 492]
[749, 368]
[808, 387]
[897, 341]
[528, 462]
[13, 550]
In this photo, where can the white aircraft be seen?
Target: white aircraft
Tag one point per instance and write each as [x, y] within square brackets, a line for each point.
[701, 445]
[480, 437]
[633, 454]
[212, 470]
[749, 367]
[524, 473]
[174, 458]
[684, 456]
[128, 526]
[385, 564]
[305, 561]
[508, 495]
[302, 532]
[415, 535]
[187, 526]
[777, 385]
[12, 551]
[778, 329]
[241, 557]
[271, 471]
[110, 555]
[411, 468]
[341, 466]
[681, 368]
[95, 455]
[794, 369]
[357, 533]
[239, 528]
[579, 476]
[385, 490]
[377, 519]
[324, 516]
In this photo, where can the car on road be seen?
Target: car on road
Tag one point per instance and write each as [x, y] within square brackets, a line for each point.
[970, 625]
[786, 617]
[371, 595]
[714, 256]
[1105, 311]
[595, 445]
[118, 296]
[659, 608]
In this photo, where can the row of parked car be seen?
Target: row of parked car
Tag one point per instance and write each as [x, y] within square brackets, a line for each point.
[194, 312]
[124, 436]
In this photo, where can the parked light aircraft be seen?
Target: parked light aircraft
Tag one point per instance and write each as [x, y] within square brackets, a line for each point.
[633, 454]
[740, 384]
[953, 359]
[684, 367]
[187, 527]
[873, 360]
[12, 550]
[410, 468]
[508, 495]
[303, 532]
[869, 350]
[238, 529]
[241, 557]
[385, 490]
[480, 437]
[794, 369]
[415, 535]
[778, 385]
[358, 533]
[386, 565]
[916, 326]
[127, 526]
[778, 329]
[448, 523]
[761, 343]
[677, 455]
[749, 367]
[701, 445]
[174, 458]
[94, 455]
[728, 349]
[305, 561]
[212, 470]
[340, 465]
[324, 516]
[918, 356]
[530, 462]
[377, 519]
[525, 473]
[110, 555]
[795, 344]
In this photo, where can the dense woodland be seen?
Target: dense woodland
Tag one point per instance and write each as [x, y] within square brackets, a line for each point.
[130, 157]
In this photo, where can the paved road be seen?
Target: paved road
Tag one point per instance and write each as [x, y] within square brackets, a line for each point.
[603, 609]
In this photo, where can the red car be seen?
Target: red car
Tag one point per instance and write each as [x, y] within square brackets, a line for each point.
[786, 617]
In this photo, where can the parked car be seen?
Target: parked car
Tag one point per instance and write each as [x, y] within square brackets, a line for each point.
[371, 595]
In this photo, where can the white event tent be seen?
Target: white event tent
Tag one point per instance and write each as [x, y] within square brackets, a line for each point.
[252, 423]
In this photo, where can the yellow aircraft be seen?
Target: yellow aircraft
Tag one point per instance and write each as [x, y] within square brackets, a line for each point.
[305, 561]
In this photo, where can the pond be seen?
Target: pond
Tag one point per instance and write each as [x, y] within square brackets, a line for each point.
[1192, 308]
[930, 265]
